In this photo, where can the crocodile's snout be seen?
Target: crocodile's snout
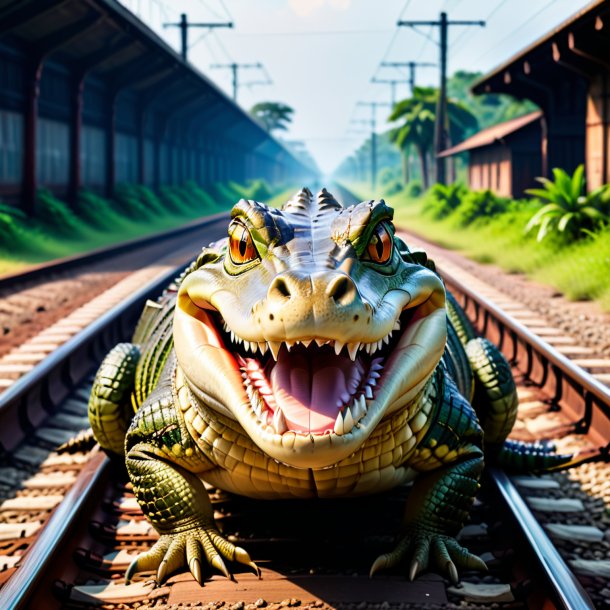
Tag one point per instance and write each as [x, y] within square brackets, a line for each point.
[323, 304]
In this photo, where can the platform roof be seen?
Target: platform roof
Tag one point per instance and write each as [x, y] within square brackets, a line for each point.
[493, 134]
[103, 38]
[579, 44]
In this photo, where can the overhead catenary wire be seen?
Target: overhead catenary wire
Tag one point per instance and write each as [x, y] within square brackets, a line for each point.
[527, 21]
[463, 35]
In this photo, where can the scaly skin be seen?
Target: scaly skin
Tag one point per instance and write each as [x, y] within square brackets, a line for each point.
[310, 354]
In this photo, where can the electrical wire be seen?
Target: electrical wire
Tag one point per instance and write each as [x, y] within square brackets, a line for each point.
[466, 31]
[528, 20]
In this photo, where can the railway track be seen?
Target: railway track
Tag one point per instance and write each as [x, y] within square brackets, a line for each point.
[78, 558]
[44, 306]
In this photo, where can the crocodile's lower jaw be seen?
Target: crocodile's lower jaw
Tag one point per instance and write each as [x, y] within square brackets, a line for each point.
[247, 387]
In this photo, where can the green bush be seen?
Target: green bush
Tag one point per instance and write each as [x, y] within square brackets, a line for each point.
[129, 203]
[414, 188]
[96, 211]
[175, 200]
[149, 198]
[11, 229]
[54, 213]
[259, 191]
[567, 211]
[480, 205]
[443, 199]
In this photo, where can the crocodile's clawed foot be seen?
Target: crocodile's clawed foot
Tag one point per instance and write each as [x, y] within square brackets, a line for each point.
[190, 548]
[422, 550]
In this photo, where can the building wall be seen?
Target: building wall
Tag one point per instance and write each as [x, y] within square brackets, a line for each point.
[165, 148]
[490, 168]
[598, 131]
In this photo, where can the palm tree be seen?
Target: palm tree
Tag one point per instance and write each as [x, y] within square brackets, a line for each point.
[419, 114]
[274, 116]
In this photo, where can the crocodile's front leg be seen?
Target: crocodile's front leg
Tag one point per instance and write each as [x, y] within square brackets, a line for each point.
[162, 461]
[451, 461]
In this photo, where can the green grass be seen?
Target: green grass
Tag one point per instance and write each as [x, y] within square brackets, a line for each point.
[59, 231]
[580, 270]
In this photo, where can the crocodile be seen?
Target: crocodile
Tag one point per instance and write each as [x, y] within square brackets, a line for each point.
[309, 354]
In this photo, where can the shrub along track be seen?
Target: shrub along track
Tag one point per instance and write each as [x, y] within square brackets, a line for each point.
[311, 553]
[44, 306]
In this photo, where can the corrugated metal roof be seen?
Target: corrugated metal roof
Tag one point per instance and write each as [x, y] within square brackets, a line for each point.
[492, 134]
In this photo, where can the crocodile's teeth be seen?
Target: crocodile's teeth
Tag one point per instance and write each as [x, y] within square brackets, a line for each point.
[307, 343]
[338, 429]
[348, 421]
[386, 339]
[371, 348]
[232, 336]
[397, 325]
[275, 347]
[368, 392]
[372, 381]
[353, 385]
[353, 348]
[374, 375]
[263, 347]
[345, 396]
[289, 344]
[279, 421]
[338, 346]
[320, 342]
[359, 408]
[380, 344]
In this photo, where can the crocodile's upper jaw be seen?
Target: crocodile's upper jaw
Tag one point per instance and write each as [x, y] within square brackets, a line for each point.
[310, 391]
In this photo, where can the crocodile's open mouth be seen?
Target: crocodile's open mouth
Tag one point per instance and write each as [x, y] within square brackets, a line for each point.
[317, 387]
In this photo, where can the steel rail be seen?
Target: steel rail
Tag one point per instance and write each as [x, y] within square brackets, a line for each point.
[10, 280]
[565, 373]
[570, 593]
[50, 545]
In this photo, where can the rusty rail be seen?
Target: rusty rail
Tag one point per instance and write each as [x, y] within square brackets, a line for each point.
[571, 388]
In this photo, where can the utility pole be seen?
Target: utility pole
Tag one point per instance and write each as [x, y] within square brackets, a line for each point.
[235, 67]
[441, 130]
[184, 26]
[411, 65]
[390, 81]
[373, 123]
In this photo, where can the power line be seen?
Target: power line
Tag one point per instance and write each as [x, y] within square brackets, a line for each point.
[184, 26]
[411, 65]
[373, 122]
[235, 68]
[463, 33]
[517, 29]
[441, 129]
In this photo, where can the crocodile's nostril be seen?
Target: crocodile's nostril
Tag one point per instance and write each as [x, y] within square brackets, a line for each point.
[341, 289]
[280, 288]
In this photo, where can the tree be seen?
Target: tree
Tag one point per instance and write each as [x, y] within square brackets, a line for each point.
[419, 115]
[274, 116]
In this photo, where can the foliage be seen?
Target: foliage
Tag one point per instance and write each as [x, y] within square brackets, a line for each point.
[442, 199]
[419, 115]
[11, 220]
[97, 211]
[129, 203]
[54, 213]
[579, 269]
[414, 188]
[490, 108]
[274, 116]
[480, 205]
[567, 211]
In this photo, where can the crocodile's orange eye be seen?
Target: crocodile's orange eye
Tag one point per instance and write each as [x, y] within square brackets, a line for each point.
[379, 249]
[241, 246]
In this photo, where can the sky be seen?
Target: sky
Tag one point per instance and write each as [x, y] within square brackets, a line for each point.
[322, 54]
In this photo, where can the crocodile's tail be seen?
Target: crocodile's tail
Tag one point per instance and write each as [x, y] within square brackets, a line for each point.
[531, 457]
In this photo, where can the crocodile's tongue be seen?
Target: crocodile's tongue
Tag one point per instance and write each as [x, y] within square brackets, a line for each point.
[311, 385]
